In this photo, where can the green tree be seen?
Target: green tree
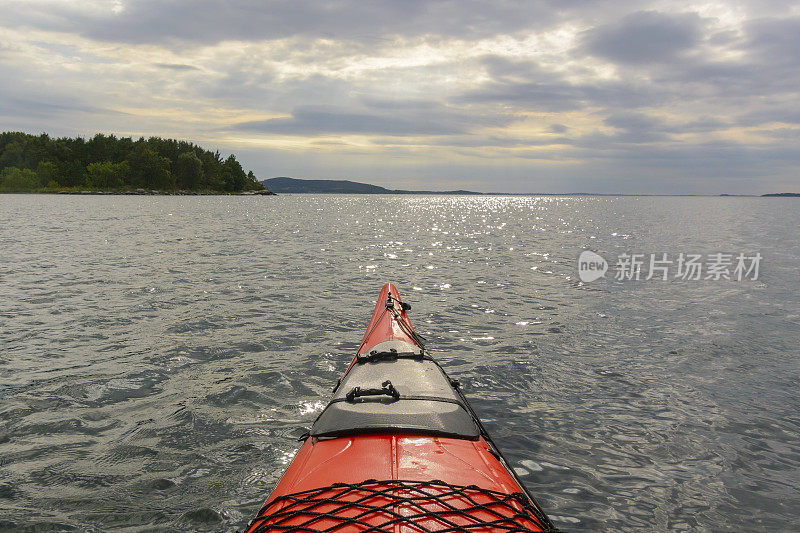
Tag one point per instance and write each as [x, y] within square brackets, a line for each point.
[13, 155]
[101, 148]
[150, 170]
[71, 173]
[13, 179]
[233, 176]
[106, 175]
[47, 173]
[252, 183]
[188, 171]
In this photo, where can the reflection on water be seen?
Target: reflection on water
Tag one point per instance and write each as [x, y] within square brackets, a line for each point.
[161, 355]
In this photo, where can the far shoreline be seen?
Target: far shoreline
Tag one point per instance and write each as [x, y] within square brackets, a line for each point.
[287, 185]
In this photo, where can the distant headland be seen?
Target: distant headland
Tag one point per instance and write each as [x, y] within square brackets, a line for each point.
[106, 164]
[295, 185]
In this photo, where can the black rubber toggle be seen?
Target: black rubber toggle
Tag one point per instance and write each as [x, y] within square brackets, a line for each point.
[391, 355]
[386, 390]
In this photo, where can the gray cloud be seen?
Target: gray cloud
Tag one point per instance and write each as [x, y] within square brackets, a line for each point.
[636, 127]
[479, 141]
[645, 37]
[530, 86]
[157, 21]
[769, 114]
[22, 107]
[639, 127]
[555, 93]
[526, 83]
[380, 116]
[175, 66]
[315, 121]
[678, 83]
[771, 38]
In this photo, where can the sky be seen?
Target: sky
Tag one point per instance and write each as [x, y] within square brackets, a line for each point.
[666, 97]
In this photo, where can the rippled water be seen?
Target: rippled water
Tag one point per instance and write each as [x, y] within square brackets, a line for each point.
[159, 356]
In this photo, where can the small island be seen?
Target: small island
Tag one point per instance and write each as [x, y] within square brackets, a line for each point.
[106, 164]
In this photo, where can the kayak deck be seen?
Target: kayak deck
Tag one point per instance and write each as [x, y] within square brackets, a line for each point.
[398, 449]
[420, 400]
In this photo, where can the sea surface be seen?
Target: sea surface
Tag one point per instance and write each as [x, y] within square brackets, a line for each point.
[160, 356]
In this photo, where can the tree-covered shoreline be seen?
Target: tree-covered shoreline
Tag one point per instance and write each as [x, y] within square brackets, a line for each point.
[106, 163]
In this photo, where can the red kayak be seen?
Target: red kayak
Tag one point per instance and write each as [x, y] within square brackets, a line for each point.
[398, 449]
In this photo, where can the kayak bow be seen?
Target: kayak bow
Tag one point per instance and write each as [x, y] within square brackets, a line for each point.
[398, 449]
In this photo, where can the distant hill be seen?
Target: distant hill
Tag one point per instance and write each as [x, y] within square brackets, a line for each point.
[294, 185]
[279, 185]
[783, 194]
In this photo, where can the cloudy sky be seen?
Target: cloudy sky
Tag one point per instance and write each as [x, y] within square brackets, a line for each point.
[529, 96]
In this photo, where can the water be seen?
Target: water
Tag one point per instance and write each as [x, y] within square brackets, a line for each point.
[159, 356]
